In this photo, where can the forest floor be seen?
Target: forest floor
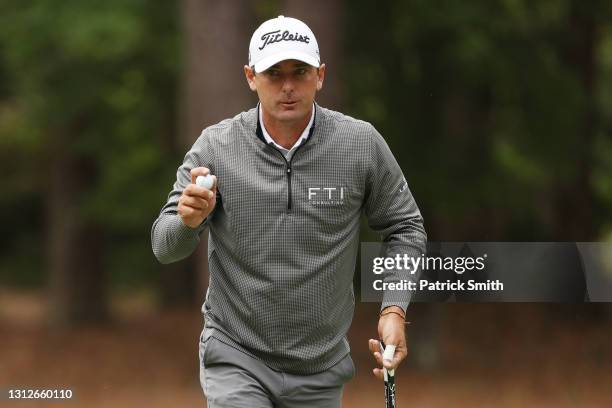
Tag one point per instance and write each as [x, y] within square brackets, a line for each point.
[510, 355]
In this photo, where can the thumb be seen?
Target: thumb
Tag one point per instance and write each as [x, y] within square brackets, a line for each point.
[198, 171]
[390, 364]
[214, 186]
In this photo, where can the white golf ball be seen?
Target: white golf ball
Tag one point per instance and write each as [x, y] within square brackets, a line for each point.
[205, 181]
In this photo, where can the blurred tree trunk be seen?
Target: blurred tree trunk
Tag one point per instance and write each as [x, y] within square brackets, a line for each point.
[216, 40]
[574, 198]
[326, 19]
[75, 246]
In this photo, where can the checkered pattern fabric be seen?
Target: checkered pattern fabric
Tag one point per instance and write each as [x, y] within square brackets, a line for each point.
[284, 234]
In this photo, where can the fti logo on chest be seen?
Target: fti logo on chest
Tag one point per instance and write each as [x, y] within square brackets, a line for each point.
[326, 196]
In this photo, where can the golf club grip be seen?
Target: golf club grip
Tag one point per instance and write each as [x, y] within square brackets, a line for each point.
[389, 378]
[390, 392]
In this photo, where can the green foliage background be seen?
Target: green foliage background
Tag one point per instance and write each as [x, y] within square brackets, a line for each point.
[485, 113]
[476, 99]
[99, 79]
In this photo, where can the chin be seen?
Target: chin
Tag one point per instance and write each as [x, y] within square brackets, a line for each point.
[290, 115]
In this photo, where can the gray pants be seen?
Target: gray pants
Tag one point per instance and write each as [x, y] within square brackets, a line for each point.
[232, 378]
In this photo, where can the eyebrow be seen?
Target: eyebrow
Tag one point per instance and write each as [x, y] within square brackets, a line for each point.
[297, 65]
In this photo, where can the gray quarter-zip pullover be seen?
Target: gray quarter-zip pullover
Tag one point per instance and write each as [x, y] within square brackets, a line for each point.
[284, 234]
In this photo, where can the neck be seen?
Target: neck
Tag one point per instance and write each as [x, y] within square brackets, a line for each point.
[285, 133]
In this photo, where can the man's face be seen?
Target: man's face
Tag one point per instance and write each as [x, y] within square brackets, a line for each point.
[286, 90]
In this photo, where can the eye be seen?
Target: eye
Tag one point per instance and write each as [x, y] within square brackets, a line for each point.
[273, 72]
[300, 71]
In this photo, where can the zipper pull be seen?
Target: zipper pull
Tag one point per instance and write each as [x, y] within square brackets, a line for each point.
[288, 169]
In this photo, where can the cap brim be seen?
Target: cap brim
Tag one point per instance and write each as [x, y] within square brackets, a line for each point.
[286, 55]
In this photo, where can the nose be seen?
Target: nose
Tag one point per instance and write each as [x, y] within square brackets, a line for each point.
[287, 84]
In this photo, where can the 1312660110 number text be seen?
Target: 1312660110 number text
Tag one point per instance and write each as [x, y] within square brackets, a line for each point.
[31, 393]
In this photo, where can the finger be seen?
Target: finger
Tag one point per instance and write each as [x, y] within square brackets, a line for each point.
[391, 364]
[202, 192]
[374, 345]
[197, 191]
[186, 211]
[198, 171]
[195, 202]
[398, 357]
[191, 210]
[378, 373]
[212, 192]
[378, 358]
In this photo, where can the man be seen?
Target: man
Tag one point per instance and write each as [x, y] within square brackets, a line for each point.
[290, 181]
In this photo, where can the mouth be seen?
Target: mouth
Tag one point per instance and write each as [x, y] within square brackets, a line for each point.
[288, 104]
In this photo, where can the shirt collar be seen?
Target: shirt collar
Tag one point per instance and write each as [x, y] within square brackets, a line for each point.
[303, 137]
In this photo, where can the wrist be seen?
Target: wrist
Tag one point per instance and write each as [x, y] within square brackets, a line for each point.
[396, 310]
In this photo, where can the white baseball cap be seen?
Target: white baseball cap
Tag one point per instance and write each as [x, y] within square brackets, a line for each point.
[280, 39]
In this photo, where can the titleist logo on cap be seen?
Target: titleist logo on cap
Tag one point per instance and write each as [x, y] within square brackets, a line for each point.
[282, 38]
[276, 36]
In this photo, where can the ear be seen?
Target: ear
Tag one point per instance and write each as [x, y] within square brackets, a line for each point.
[250, 77]
[321, 77]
